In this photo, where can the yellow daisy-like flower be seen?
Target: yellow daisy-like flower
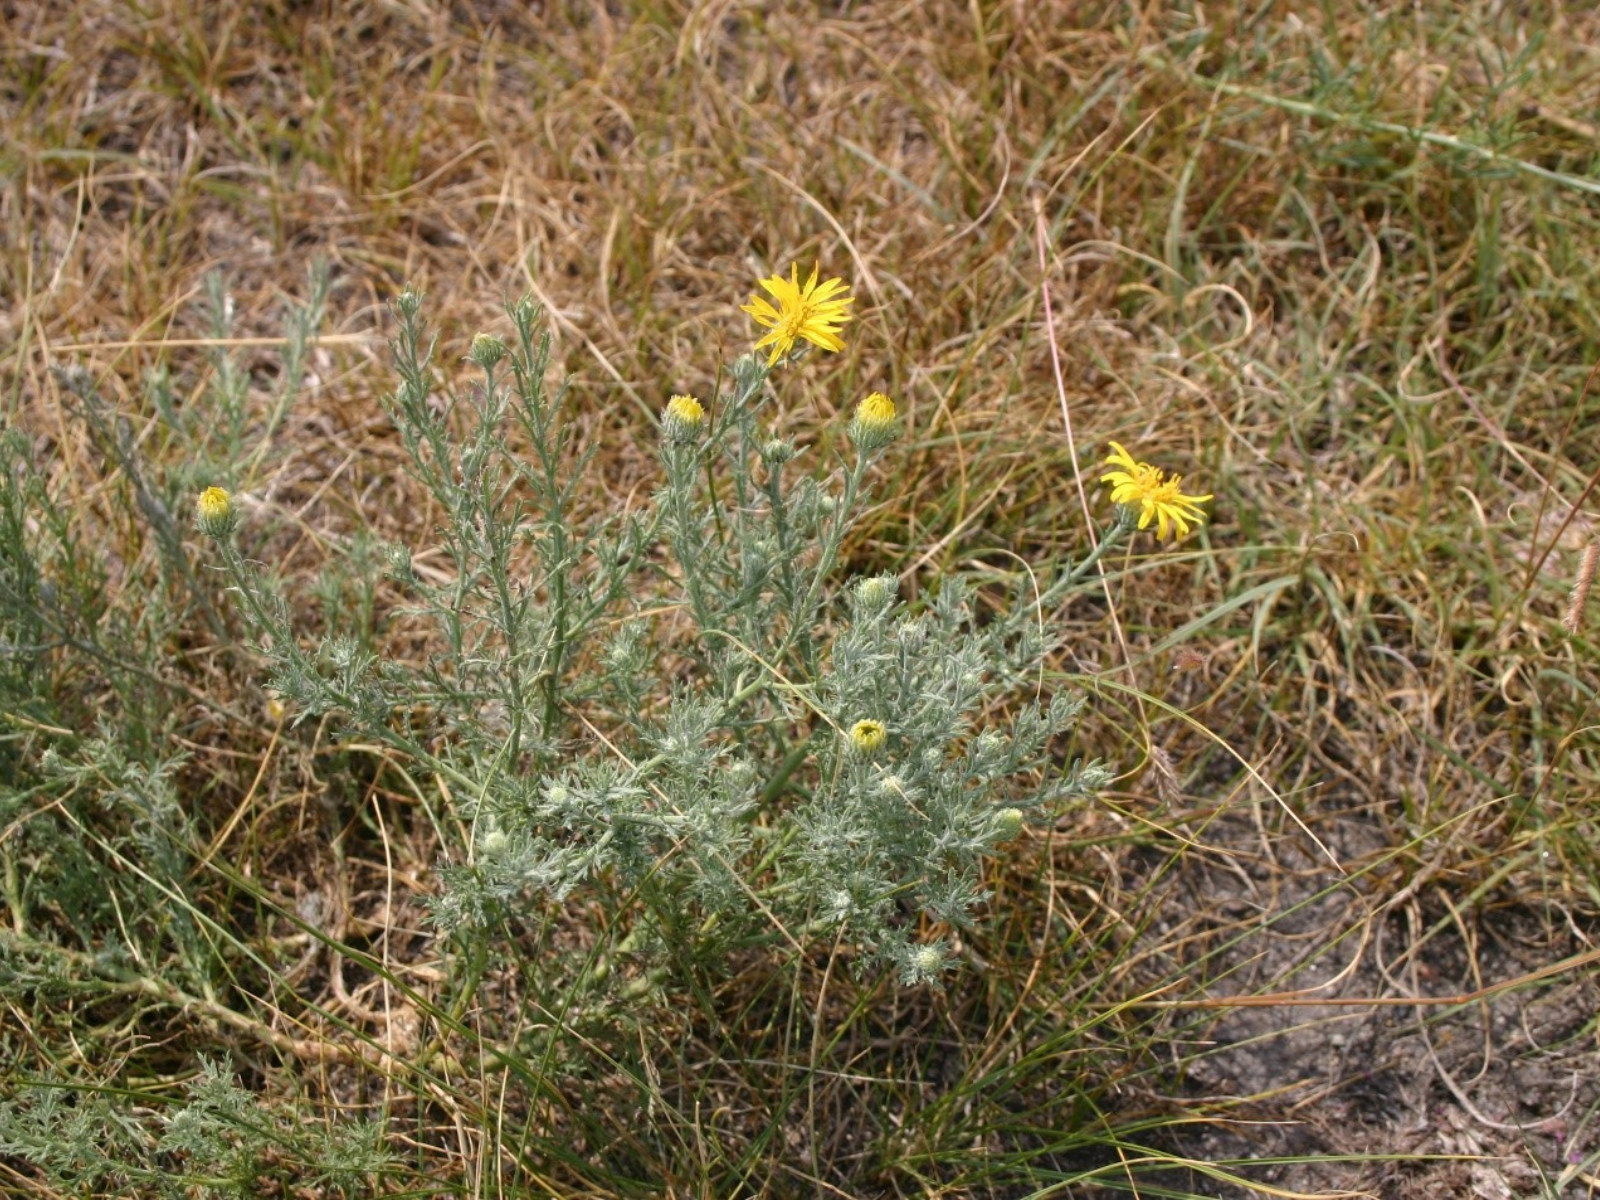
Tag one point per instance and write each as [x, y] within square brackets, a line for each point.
[814, 312]
[1158, 498]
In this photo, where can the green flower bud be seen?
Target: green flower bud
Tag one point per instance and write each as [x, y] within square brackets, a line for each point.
[912, 633]
[926, 961]
[1008, 822]
[398, 560]
[990, 742]
[777, 452]
[876, 594]
[486, 350]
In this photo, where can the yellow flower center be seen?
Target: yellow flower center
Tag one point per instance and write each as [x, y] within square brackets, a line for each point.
[1149, 484]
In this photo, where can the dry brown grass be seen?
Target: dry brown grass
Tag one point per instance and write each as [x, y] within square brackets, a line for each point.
[1372, 348]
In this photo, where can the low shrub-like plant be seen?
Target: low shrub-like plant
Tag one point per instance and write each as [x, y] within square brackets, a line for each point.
[685, 707]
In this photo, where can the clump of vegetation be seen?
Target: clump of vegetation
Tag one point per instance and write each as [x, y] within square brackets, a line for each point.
[573, 766]
[727, 736]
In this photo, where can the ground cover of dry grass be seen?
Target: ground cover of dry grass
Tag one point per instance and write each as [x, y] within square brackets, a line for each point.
[1336, 264]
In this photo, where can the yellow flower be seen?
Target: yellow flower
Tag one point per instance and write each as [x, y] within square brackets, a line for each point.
[213, 512]
[876, 410]
[683, 418]
[873, 426]
[1157, 497]
[687, 409]
[867, 737]
[813, 312]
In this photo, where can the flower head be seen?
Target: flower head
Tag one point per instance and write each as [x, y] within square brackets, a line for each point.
[1008, 822]
[872, 428]
[777, 452]
[927, 960]
[214, 513]
[486, 350]
[867, 737]
[876, 592]
[923, 964]
[683, 418]
[1138, 484]
[813, 312]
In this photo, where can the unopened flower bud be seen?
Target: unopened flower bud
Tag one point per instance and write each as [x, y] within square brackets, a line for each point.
[990, 742]
[912, 633]
[683, 419]
[927, 961]
[486, 350]
[398, 560]
[1008, 823]
[873, 426]
[867, 737]
[777, 452]
[875, 594]
[214, 513]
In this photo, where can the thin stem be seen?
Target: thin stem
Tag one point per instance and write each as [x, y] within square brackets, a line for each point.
[680, 477]
[804, 616]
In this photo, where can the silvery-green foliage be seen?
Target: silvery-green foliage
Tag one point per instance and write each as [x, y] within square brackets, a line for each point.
[659, 704]
[219, 1142]
[902, 829]
[96, 852]
[103, 876]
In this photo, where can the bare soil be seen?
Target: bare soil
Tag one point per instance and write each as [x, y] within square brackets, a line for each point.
[1492, 1097]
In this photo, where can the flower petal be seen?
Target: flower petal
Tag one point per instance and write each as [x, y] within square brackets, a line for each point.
[763, 312]
[1121, 458]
